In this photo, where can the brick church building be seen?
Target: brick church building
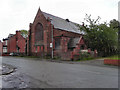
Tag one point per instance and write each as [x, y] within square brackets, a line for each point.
[47, 30]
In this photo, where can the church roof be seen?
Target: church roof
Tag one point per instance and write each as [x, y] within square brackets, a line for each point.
[63, 24]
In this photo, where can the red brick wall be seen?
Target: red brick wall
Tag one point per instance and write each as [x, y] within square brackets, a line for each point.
[12, 44]
[65, 38]
[78, 46]
[112, 62]
[0, 48]
[15, 40]
[46, 27]
[21, 42]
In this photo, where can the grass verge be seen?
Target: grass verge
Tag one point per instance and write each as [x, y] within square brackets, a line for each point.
[115, 57]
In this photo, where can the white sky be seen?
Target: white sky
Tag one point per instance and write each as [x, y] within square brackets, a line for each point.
[17, 14]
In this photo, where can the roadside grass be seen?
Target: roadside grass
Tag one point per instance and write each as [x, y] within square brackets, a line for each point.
[114, 57]
[86, 59]
[28, 56]
[90, 58]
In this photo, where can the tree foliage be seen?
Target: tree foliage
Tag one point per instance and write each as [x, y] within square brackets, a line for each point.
[103, 37]
[24, 33]
[114, 23]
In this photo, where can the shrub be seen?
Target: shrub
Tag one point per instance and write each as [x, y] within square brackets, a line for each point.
[85, 56]
[47, 56]
[56, 57]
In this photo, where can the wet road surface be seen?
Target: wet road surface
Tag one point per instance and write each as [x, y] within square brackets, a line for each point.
[57, 75]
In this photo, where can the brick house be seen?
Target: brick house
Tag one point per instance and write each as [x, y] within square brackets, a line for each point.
[66, 37]
[1, 46]
[14, 43]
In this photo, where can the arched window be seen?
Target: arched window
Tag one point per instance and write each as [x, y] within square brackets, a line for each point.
[39, 33]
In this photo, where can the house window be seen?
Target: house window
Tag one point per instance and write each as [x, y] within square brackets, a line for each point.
[4, 49]
[71, 45]
[39, 33]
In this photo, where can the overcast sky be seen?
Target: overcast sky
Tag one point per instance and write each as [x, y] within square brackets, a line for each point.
[17, 14]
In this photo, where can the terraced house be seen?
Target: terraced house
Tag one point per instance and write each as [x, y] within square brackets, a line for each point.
[1, 46]
[14, 43]
[49, 34]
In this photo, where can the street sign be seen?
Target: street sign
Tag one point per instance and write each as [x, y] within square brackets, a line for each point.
[51, 45]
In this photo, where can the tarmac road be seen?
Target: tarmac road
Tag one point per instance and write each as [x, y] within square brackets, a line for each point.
[64, 75]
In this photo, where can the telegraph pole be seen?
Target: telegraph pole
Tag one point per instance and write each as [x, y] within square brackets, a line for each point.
[51, 44]
[52, 41]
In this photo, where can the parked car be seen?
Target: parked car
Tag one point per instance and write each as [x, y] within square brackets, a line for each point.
[14, 54]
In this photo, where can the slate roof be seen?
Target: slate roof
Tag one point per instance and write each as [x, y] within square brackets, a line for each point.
[63, 24]
[10, 35]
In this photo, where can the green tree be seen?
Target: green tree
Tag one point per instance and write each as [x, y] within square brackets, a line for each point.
[114, 23]
[24, 33]
[102, 37]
